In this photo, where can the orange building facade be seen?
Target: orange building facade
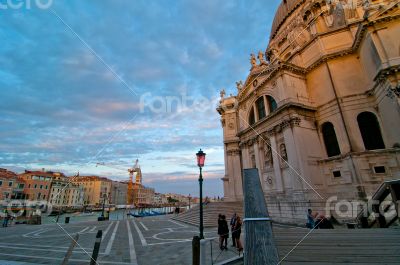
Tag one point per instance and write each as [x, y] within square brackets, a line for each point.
[37, 184]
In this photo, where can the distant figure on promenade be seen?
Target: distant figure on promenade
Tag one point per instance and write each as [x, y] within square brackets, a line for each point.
[232, 223]
[6, 218]
[237, 231]
[310, 219]
[223, 232]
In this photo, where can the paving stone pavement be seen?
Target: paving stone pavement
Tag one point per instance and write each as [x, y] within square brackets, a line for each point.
[137, 241]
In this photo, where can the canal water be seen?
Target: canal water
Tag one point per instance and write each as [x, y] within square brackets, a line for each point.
[119, 214]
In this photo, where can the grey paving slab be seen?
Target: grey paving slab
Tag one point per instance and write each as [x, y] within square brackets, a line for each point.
[8, 262]
[153, 240]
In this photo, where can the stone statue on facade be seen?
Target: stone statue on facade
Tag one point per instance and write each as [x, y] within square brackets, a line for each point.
[253, 161]
[261, 57]
[340, 17]
[366, 4]
[222, 93]
[298, 35]
[283, 151]
[253, 60]
[268, 154]
[239, 85]
[351, 9]
[273, 54]
[328, 17]
[335, 16]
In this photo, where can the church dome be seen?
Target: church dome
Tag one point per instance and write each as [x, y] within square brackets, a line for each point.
[284, 10]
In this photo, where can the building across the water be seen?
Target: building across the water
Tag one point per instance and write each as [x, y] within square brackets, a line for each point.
[160, 199]
[11, 186]
[37, 184]
[119, 191]
[319, 113]
[64, 192]
[143, 196]
[97, 190]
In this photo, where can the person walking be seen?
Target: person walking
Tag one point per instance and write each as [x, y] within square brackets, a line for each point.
[5, 220]
[232, 223]
[238, 231]
[310, 219]
[224, 233]
[220, 230]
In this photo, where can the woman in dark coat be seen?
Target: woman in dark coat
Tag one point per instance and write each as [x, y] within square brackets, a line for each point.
[238, 231]
[220, 230]
[224, 235]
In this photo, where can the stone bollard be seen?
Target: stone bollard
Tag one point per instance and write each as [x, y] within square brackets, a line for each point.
[203, 255]
[95, 254]
[196, 250]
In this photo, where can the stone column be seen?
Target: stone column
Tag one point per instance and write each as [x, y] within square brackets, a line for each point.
[294, 156]
[258, 161]
[237, 172]
[276, 164]
[246, 157]
[234, 190]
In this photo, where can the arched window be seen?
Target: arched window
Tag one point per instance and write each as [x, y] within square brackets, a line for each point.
[330, 140]
[271, 104]
[252, 118]
[260, 108]
[370, 131]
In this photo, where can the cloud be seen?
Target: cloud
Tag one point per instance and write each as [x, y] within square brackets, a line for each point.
[62, 108]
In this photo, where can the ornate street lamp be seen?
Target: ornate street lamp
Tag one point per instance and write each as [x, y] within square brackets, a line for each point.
[201, 157]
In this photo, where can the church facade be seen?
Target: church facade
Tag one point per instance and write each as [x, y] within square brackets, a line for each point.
[319, 113]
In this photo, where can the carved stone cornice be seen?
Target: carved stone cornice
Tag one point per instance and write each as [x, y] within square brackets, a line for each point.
[260, 141]
[393, 92]
[233, 152]
[232, 140]
[243, 94]
[292, 122]
[383, 74]
[249, 142]
[277, 113]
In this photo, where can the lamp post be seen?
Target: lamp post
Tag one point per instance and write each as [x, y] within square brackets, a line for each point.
[201, 157]
[104, 202]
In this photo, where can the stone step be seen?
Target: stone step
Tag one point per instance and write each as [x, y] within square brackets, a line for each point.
[210, 213]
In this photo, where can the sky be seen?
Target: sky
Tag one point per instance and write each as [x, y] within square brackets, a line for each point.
[112, 81]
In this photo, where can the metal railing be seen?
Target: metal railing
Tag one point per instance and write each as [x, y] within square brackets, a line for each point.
[211, 253]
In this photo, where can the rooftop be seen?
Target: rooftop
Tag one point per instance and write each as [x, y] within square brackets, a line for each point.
[90, 178]
[283, 12]
[4, 173]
